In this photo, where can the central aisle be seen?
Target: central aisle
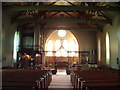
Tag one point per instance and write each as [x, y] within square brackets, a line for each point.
[60, 80]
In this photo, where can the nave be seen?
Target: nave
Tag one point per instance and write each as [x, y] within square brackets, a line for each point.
[40, 40]
[38, 79]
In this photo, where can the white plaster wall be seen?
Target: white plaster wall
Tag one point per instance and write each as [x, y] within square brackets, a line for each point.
[118, 35]
[87, 40]
[8, 31]
[113, 33]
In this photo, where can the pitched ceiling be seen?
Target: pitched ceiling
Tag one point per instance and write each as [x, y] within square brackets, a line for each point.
[61, 14]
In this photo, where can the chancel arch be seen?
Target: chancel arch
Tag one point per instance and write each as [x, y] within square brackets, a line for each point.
[61, 49]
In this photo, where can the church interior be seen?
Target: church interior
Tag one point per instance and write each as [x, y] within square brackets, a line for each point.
[60, 45]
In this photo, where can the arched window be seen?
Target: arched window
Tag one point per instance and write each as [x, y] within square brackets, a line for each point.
[16, 44]
[74, 48]
[107, 48]
[62, 44]
[99, 50]
[61, 49]
[65, 44]
[50, 47]
[57, 46]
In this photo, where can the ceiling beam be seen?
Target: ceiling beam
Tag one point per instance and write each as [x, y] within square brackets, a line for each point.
[61, 8]
[72, 28]
[63, 20]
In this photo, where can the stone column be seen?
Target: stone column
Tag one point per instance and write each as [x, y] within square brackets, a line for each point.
[39, 41]
[36, 36]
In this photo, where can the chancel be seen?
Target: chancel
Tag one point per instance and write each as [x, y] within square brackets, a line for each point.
[60, 45]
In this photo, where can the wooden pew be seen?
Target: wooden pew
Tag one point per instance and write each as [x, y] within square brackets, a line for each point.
[33, 79]
[96, 78]
[100, 85]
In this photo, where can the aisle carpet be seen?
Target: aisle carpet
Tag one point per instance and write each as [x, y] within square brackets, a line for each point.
[60, 81]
